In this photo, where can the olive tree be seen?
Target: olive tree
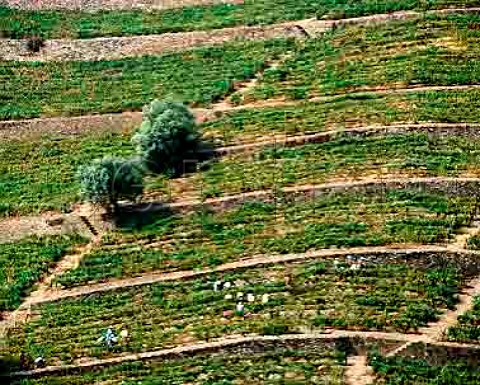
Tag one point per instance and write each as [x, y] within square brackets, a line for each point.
[167, 136]
[106, 181]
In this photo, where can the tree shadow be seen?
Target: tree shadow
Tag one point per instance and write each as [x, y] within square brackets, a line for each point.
[141, 216]
[200, 160]
[9, 365]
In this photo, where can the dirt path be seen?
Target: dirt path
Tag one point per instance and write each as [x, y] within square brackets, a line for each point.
[23, 312]
[71, 126]
[358, 372]
[465, 233]
[17, 227]
[244, 87]
[68, 263]
[90, 5]
[435, 331]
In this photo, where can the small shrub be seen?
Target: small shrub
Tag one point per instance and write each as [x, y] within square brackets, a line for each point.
[415, 316]
[473, 243]
[236, 99]
[320, 321]
[35, 43]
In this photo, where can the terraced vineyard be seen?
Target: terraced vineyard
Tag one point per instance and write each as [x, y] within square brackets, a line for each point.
[281, 300]
[48, 183]
[24, 262]
[467, 328]
[408, 371]
[321, 225]
[342, 220]
[397, 55]
[55, 24]
[200, 77]
[324, 365]
[414, 154]
[340, 113]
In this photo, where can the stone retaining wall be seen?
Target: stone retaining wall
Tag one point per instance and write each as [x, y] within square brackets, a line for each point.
[116, 48]
[378, 187]
[443, 354]
[435, 354]
[244, 346]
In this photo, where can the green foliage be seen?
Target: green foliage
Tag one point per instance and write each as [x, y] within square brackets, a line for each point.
[350, 157]
[204, 239]
[417, 58]
[107, 180]
[8, 364]
[408, 371]
[16, 23]
[47, 180]
[298, 293]
[23, 262]
[467, 328]
[204, 75]
[473, 242]
[275, 365]
[168, 136]
[198, 76]
[436, 106]
[275, 329]
[39, 174]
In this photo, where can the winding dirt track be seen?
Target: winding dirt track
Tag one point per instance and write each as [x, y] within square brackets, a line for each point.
[436, 330]
[358, 372]
[67, 263]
